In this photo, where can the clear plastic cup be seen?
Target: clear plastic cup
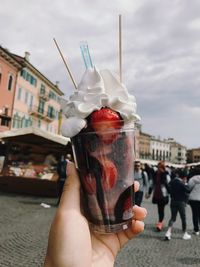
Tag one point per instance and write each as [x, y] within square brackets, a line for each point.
[105, 164]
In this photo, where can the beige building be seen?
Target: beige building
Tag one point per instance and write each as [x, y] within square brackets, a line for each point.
[37, 99]
[137, 134]
[178, 152]
[144, 145]
[159, 149]
[193, 155]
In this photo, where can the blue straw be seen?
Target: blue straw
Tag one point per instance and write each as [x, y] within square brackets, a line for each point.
[86, 55]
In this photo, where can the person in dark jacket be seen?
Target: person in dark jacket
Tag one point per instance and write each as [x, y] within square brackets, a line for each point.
[179, 192]
[62, 173]
[141, 176]
[194, 199]
[159, 186]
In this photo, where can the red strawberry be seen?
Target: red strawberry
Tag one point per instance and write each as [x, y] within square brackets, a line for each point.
[109, 176]
[90, 183]
[105, 120]
[127, 204]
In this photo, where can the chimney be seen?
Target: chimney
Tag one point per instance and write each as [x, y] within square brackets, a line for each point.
[27, 55]
[57, 83]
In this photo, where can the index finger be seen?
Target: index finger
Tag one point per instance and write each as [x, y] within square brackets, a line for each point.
[70, 198]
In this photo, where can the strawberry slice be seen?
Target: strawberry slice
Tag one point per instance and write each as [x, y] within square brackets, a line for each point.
[128, 204]
[104, 121]
[90, 183]
[109, 175]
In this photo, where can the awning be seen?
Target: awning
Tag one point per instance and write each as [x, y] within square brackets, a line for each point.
[155, 163]
[34, 135]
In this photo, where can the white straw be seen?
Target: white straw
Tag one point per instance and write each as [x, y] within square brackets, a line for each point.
[120, 48]
[69, 72]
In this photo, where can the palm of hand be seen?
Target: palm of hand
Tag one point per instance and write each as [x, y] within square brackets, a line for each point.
[99, 250]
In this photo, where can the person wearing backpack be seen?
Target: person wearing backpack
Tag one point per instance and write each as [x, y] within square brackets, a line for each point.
[141, 176]
[179, 192]
[159, 185]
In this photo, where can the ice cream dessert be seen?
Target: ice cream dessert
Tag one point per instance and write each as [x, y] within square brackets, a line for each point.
[97, 89]
[100, 118]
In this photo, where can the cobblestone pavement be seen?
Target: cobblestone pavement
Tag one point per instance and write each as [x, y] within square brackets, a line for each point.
[24, 227]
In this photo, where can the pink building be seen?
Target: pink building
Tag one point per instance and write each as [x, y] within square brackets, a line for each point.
[37, 99]
[27, 97]
[9, 68]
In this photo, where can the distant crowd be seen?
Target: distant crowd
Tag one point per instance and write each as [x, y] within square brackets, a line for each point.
[179, 186]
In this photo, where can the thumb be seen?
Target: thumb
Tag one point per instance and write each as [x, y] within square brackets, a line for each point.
[71, 192]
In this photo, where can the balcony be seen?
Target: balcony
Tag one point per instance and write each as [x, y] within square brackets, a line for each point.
[41, 114]
[5, 116]
[44, 96]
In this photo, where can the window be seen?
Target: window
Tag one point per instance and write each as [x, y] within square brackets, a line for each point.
[52, 95]
[23, 73]
[42, 89]
[23, 122]
[51, 112]
[164, 155]
[28, 77]
[6, 111]
[31, 101]
[153, 153]
[10, 81]
[16, 121]
[41, 107]
[19, 93]
[5, 122]
[28, 122]
[26, 97]
[57, 115]
[59, 100]
[39, 123]
[33, 81]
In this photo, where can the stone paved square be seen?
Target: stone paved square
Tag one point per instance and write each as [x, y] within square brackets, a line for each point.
[24, 227]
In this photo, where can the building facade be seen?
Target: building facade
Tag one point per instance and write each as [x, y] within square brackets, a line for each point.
[9, 69]
[27, 97]
[178, 152]
[144, 145]
[193, 155]
[159, 149]
[137, 134]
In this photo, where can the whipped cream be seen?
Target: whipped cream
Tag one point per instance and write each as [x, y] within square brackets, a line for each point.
[97, 89]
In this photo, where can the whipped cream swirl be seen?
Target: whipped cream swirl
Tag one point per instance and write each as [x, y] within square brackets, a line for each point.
[97, 89]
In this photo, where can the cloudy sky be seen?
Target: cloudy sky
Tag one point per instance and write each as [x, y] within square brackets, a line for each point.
[160, 45]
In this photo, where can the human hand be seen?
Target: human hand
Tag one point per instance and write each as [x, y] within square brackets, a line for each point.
[71, 242]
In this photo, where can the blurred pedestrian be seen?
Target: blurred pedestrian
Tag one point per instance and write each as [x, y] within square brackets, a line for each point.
[141, 176]
[62, 173]
[179, 191]
[149, 170]
[194, 199]
[160, 187]
[50, 160]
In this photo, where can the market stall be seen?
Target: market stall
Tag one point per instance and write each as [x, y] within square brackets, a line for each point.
[30, 164]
